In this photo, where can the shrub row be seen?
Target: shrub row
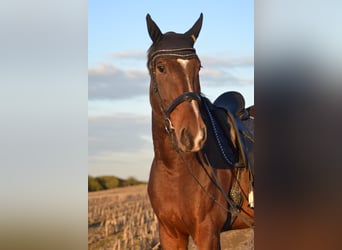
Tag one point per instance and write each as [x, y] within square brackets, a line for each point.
[109, 182]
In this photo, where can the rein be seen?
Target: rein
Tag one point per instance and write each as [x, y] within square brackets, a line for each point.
[233, 209]
[188, 53]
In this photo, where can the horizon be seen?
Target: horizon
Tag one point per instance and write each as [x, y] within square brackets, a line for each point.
[119, 137]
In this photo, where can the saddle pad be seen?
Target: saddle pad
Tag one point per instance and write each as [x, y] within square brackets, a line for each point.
[218, 149]
[229, 142]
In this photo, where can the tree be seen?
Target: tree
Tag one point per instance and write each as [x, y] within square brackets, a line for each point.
[93, 184]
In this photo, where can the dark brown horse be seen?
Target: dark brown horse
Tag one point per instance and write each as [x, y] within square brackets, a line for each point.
[189, 196]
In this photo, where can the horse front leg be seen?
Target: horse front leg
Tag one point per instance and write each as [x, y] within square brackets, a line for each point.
[207, 242]
[207, 239]
[170, 239]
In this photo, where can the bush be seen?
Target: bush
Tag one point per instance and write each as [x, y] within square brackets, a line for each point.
[93, 184]
[131, 181]
[109, 182]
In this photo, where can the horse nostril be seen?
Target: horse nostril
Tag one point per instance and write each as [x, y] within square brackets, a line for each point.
[191, 142]
[187, 139]
[201, 139]
[204, 133]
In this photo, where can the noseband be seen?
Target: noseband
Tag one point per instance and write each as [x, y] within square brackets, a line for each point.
[185, 53]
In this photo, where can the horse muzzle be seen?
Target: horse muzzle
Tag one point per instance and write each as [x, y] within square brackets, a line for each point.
[189, 142]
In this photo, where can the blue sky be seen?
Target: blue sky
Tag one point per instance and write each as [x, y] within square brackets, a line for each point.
[118, 107]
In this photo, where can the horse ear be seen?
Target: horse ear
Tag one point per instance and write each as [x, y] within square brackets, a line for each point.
[153, 29]
[195, 29]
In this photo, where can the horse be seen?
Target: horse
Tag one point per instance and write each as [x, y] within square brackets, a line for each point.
[189, 196]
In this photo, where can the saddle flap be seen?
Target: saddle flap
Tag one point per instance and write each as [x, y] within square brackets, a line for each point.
[231, 130]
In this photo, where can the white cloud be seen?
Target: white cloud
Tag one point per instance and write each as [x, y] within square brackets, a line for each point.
[118, 143]
[106, 81]
[221, 77]
[128, 80]
[121, 144]
[227, 62]
[122, 164]
[118, 133]
[130, 54]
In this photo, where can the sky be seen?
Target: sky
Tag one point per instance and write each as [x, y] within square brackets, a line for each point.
[119, 113]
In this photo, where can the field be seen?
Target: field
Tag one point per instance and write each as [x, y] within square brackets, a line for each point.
[122, 218]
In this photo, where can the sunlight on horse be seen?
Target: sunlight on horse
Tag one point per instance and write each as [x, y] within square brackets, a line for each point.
[201, 175]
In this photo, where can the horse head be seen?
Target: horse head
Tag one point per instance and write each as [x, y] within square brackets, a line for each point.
[175, 88]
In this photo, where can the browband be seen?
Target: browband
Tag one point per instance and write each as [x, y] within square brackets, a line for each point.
[179, 53]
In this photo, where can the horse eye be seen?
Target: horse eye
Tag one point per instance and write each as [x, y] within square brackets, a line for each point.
[161, 68]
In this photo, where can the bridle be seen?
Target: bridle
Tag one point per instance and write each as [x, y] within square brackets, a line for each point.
[187, 53]
[183, 53]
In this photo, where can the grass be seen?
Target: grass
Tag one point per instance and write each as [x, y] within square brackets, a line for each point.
[121, 219]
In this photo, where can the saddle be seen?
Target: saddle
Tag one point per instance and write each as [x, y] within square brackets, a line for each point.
[230, 140]
[233, 128]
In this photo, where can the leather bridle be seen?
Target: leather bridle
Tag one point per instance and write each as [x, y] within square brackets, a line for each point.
[188, 53]
[183, 53]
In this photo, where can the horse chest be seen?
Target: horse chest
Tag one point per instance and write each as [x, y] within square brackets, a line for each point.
[174, 197]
